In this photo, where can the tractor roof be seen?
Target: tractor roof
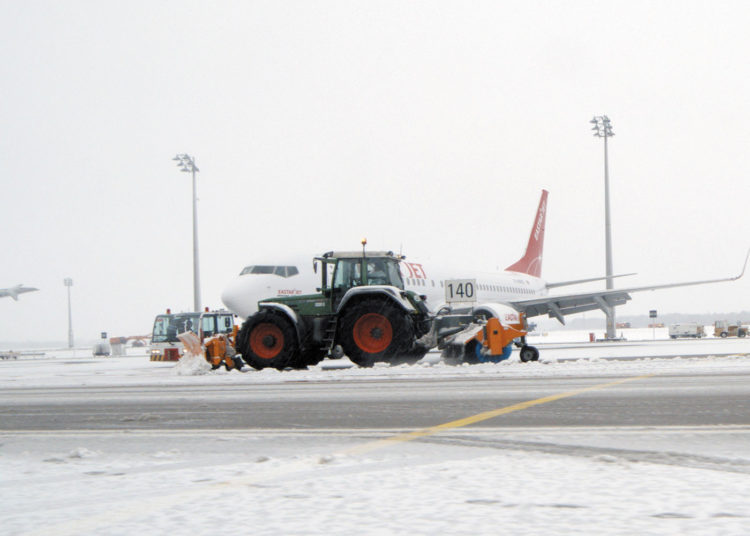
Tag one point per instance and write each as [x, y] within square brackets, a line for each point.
[358, 255]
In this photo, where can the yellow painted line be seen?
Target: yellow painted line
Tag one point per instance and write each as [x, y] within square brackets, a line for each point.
[140, 507]
[479, 417]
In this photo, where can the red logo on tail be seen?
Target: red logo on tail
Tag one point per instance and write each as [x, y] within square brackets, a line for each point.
[531, 262]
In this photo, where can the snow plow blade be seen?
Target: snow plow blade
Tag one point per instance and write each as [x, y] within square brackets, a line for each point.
[489, 339]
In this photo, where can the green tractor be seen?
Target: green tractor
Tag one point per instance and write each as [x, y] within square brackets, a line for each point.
[361, 310]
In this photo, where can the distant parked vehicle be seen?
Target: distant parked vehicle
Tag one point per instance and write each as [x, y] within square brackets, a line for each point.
[687, 329]
[724, 329]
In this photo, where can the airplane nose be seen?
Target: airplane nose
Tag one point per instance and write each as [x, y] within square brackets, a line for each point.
[234, 299]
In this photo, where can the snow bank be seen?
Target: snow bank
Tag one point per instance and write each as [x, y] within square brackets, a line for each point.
[192, 365]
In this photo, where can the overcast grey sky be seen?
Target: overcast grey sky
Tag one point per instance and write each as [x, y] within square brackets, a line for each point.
[430, 126]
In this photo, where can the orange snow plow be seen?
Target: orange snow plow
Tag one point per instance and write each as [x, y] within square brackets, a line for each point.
[218, 350]
[488, 342]
[213, 332]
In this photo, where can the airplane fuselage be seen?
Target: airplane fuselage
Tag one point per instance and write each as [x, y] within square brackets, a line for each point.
[491, 292]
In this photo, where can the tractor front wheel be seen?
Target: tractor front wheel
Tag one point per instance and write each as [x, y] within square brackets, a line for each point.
[375, 330]
[268, 339]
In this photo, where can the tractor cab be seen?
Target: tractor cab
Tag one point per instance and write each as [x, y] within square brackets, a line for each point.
[342, 271]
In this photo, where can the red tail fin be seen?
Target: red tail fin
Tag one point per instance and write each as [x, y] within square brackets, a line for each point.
[531, 262]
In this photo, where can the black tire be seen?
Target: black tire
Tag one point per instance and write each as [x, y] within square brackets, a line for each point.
[268, 339]
[529, 353]
[375, 330]
[723, 334]
[312, 357]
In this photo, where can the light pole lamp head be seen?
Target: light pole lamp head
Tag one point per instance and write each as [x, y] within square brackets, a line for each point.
[602, 126]
[186, 163]
[68, 282]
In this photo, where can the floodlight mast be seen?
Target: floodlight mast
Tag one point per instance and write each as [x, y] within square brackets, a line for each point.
[68, 282]
[186, 163]
[603, 129]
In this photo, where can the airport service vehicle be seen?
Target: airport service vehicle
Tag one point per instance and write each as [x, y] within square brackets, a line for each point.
[686, 329]
[215, 330]
[724, 329]
[363, 311]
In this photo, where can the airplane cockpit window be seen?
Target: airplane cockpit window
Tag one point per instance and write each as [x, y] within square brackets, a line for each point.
[258, 269]
[283, 271]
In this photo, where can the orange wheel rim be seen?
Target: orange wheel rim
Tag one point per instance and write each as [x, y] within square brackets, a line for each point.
[373, 333]
[266, 341]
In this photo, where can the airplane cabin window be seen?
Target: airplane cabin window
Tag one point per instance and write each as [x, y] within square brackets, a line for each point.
[291, 270]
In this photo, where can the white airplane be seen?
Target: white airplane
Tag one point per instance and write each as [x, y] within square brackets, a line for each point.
[13, 292]
[518, 289]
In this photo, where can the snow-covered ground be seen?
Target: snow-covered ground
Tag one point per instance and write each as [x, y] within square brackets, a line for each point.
[619, 480]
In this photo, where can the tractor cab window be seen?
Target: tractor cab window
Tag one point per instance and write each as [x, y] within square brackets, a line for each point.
[208, 325]
[160, 329]
[225, 324]
[347, 273]
[379, 272]
[394, 275]
[184, 323]
[167, 327]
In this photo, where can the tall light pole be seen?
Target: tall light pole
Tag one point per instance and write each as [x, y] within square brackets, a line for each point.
[186, 163]
[603, 129]
[68, 282]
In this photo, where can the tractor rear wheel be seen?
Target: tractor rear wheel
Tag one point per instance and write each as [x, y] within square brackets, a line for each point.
[375, 330]
[268, 339]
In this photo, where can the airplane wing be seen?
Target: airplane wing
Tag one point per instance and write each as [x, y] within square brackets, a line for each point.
[566, 304]
[13, 292]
